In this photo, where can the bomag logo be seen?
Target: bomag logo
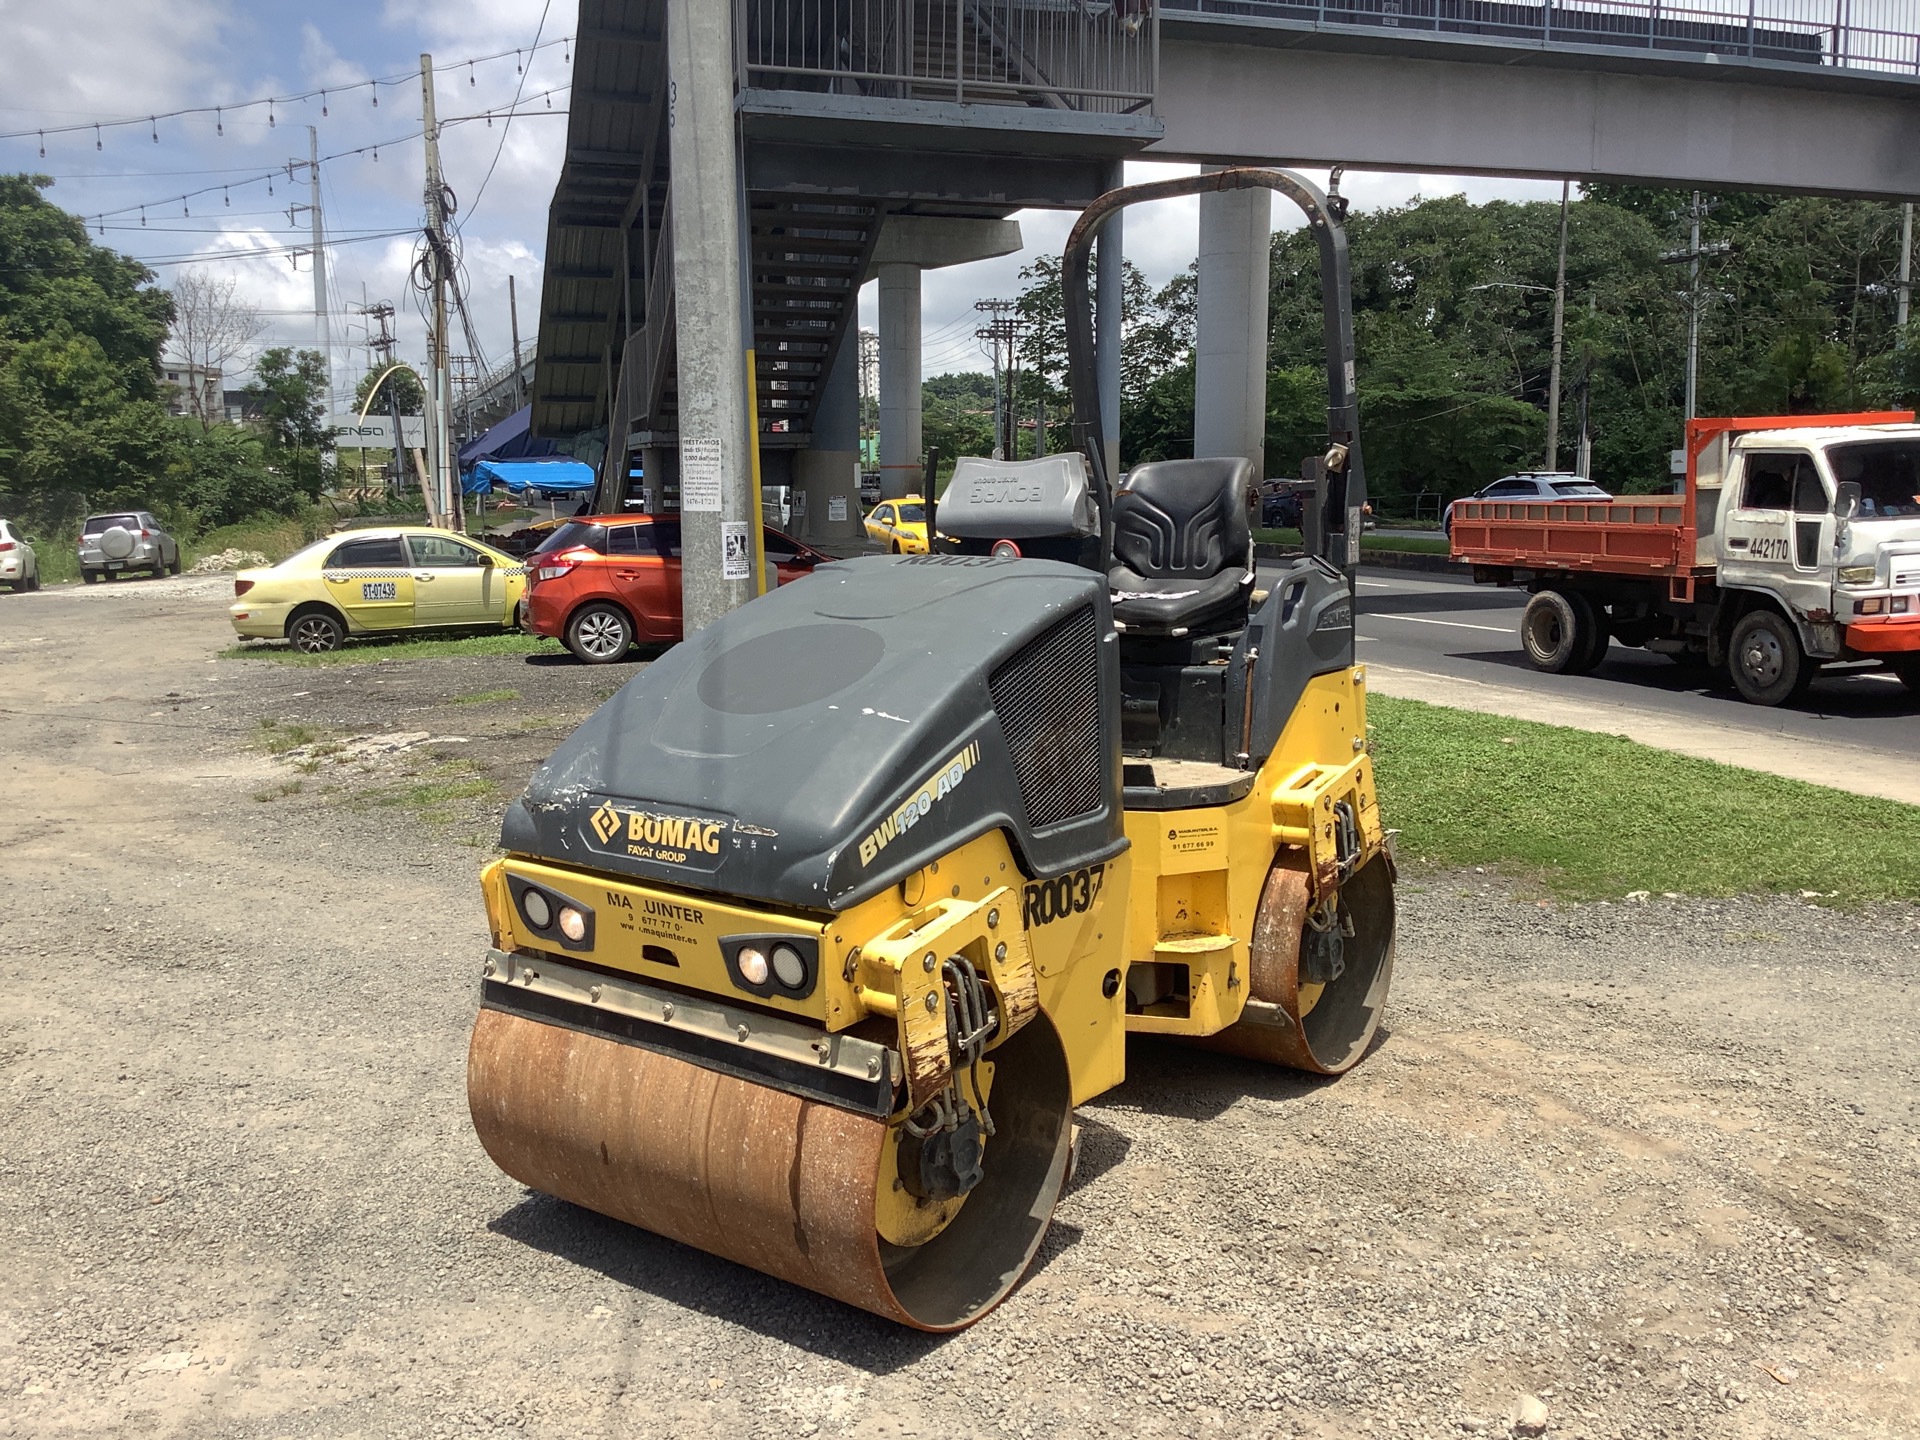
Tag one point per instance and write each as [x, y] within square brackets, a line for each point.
[942, 783]
[649, 835]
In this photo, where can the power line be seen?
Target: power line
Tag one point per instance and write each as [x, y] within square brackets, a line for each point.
[225, 188]
[220, 112]
[262, 251]
[507, 128]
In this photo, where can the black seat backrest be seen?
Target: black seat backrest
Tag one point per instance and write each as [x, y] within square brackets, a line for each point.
[1184, 519]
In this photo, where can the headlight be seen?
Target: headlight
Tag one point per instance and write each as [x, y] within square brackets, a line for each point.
[788, 968]
[554, 917]
[1868, 607]
[784, 967]
[1856, 574]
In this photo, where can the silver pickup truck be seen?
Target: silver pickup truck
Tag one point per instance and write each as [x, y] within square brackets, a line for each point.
[123, 540]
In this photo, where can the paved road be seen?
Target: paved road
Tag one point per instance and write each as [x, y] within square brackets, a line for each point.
[1449, 627]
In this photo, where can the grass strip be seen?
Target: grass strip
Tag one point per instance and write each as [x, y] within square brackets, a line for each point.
[1598, 816]
[372, 650]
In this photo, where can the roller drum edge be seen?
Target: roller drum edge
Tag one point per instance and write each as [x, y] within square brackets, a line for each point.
[755, 1175]
[1334, 1033]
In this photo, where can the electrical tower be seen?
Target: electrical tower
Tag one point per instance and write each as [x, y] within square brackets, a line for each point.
[380, 350]
[322, 339]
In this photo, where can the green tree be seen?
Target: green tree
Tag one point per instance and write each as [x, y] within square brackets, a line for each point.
[291, 389]
[80, 336]
[956, 417]
[224, 476]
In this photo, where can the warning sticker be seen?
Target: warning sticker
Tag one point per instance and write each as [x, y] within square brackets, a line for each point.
[736, 550]
[836, 507]
[699, 475]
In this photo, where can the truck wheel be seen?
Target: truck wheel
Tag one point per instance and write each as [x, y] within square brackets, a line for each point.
[1766, 661]
[1594, 632]
[1552, 632]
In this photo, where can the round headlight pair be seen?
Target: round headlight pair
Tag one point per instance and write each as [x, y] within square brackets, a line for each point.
[784, 963]
[538, 910]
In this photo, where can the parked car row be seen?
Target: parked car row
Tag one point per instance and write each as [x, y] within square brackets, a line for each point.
[111, 544]
[600, 584]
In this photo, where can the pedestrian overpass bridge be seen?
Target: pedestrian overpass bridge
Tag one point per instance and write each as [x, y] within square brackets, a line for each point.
[1817, 96]
[884, 137]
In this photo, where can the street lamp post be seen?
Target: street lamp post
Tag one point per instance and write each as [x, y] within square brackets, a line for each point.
[1559, 317]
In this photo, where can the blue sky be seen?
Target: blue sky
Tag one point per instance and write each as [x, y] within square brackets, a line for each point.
[71, 62]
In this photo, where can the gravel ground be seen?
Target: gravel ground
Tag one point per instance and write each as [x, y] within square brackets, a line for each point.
[1654, 1165]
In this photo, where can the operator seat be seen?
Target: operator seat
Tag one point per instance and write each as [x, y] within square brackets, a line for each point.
[1182, 548]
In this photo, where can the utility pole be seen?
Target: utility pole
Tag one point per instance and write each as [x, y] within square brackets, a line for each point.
[719, 503]
[1693, 306]
[1559, 316]
[513, 319]
[1001, 330]
[439, 398]
[1906, 271]
[1693, 254]
[322, 339]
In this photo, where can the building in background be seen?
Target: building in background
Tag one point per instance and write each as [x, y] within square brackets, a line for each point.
[185, 382]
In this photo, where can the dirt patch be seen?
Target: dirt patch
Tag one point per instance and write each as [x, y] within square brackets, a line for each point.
[1654, 1165]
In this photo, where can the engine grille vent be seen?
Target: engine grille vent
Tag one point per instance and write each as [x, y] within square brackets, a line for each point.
[1048, 701]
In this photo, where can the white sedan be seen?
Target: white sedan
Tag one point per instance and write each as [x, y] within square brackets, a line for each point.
[19, 568]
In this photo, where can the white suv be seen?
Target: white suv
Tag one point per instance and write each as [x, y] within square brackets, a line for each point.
[1532, 485]
[19, 569]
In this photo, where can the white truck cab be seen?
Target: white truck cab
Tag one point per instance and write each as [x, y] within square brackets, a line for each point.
[1826, 523]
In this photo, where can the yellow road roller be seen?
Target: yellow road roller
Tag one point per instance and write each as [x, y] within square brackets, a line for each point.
[807, 943]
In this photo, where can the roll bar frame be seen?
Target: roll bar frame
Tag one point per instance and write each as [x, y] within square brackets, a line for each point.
[1345, 488]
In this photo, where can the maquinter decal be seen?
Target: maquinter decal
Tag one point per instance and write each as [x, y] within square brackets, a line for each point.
[915, 807]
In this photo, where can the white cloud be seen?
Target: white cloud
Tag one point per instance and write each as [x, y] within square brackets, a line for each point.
[87, 58]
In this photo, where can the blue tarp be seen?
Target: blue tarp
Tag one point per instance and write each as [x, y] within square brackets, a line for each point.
[508, 440]
[546, 477]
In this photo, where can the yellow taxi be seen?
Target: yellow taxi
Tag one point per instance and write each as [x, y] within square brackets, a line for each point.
[375, 582]
[899, 526]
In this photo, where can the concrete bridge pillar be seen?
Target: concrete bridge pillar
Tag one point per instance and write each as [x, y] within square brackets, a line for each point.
[827, 472]
[900, 442]
[909, 244]
[1230, 344]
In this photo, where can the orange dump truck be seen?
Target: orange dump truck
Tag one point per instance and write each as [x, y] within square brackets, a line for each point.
[1795, 544]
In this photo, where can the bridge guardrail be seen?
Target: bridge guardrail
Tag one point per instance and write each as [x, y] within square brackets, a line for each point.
[1807, 32]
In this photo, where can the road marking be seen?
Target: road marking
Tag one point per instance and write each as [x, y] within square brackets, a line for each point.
[1455, 624]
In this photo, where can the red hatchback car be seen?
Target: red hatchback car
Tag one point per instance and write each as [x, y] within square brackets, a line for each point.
[603, 583]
